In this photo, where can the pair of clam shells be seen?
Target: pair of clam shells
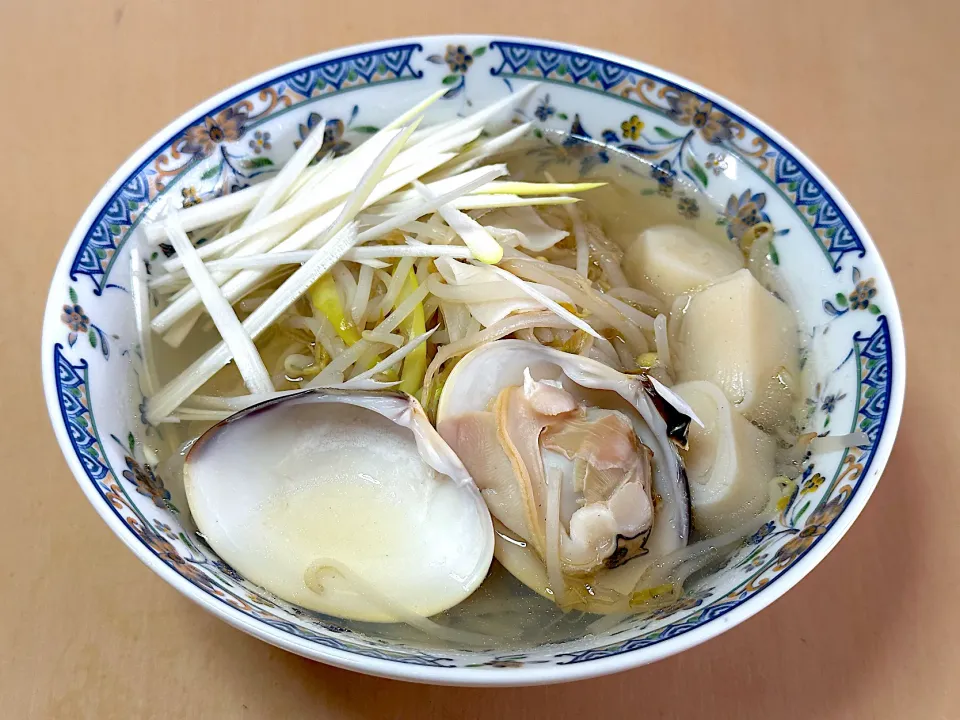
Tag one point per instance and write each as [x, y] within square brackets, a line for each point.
[352, 504]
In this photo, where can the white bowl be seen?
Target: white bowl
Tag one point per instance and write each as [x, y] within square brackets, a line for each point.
[833, 273]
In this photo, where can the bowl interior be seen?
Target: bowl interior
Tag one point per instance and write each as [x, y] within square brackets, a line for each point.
[853, 358]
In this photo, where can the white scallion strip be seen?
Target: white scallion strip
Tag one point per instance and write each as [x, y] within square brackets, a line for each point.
[287, 176]
[365, 254]
[492, 202]
[394, 358]
[507, 326]
[833, 443]
[361, 298]
[345, 282]
[313, 176]
[210, 212]
[660, 338]
[679, 404]
[424, 208]
[423, 133]
[481, 118]
[508, 187]
[180, 388]
[637, 317]
[334, 371]
[397, 281]
[234, 404]
[554, 567]
[171, 396]
[637, 297]
[420, 250]
[239, 343]
[375, 264]
[403, 309]
[447, 146]
[481, 152]
[415, 111]
[446, 184]
[297, 212]
[580, 238]
[141, 305]
[241, 284]
[373, 336]
[480, 242]
[485, 202]
[181, 306]
[545, 301]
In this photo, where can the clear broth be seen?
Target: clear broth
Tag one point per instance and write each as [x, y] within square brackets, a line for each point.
[505, 610]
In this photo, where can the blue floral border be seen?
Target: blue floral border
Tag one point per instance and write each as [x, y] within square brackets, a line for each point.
[122, 211]
[566, 67]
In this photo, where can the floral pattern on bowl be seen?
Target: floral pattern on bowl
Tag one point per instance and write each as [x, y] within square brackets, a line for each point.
[853, 350]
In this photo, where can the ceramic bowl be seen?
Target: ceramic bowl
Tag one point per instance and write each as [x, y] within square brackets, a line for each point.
[854, 352]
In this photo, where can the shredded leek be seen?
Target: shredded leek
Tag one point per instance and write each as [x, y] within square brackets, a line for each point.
[326, 299]
[415, 364]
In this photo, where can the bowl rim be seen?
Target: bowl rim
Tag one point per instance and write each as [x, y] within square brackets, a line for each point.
[479, 676]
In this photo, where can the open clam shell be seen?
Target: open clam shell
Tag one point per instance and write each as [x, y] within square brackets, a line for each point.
[476, 418]
[344, 502]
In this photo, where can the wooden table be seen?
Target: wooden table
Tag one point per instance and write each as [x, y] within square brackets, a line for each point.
[866, 87]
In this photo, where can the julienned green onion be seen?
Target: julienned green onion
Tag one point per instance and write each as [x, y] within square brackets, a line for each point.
[374, 221]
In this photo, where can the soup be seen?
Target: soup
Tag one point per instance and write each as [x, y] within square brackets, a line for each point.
[446, 386]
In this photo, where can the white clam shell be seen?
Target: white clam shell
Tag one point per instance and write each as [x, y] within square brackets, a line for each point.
[348, 503]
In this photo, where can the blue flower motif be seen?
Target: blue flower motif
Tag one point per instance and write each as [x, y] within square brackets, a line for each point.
[146, 482]
[227, 570]
[829, 403]
[458, 59]
[332, 136]
[544, 109]
[744, 213]
[688, 207]
[665, 176]
[759, 536]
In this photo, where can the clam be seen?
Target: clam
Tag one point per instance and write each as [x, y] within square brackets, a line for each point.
[577, 463]
[344, 502]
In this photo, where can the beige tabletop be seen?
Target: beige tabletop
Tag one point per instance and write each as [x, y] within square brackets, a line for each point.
[867, 88]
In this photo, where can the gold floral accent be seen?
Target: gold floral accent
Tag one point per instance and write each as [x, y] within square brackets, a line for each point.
[688, 207]
[863, 294]
[812, 484]
[146, 482]
[687, 109]
[190, 197]
[458, 59]
[815, 526]
[631, 128]
[74, 318]
[744, 213]
[225, 126]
